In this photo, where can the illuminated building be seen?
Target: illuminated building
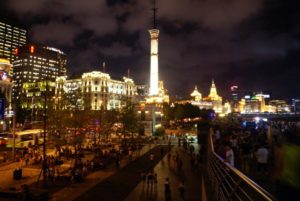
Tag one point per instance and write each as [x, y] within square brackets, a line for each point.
[6, 85]
[197, 96]
[241, 105]
[295, 105]
[214, 98]
[10, 38]
[94, 91]
[142, 92]
[33, 68]
[235, 97]
[226, 108]
[197, 100]
[67, 93]
[280, 106]
[256, 102]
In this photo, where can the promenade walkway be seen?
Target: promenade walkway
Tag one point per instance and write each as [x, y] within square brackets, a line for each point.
[125, 183]
[118, 186]
[29, 173]
[73, 191]
[164, 169]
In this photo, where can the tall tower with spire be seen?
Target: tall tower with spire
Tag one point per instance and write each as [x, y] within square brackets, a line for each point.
[154, 33]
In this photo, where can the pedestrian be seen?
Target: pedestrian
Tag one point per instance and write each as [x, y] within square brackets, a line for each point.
[151, 157]
[150, 178]
[130, 153]
[117, 162]
[169, 158]
[161, 152]
[167, 190]
[229, 155]
[25, 192]
[262, 158]
[143, 176]
[155, 178]
[92, 165]
[181, 189]
[4, 156]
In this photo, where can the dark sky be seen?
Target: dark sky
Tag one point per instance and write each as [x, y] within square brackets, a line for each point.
[254, 44]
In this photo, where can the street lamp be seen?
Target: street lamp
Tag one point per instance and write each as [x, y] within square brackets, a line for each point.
[14, 133]
[44, 168]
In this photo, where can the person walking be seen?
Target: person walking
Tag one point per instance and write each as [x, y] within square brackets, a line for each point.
[167, 190]
[181, 189]
[151, 157]
[262, 158]
[150, 178]
[161, 152]
[229, 155]
[143, 176]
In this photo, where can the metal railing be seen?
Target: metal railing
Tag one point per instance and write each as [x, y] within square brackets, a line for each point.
[227, 183]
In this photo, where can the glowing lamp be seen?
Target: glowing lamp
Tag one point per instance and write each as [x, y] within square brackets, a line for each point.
[32, 49]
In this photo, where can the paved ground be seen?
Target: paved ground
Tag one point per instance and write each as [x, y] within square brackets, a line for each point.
[118, 186]
[30, 174]
[124, 184]
[73, 191]
[164, 169]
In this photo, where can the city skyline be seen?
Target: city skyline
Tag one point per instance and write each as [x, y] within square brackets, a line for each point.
[252, 44]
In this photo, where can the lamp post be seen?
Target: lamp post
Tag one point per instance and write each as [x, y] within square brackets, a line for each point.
[44, 136]
[14, 133]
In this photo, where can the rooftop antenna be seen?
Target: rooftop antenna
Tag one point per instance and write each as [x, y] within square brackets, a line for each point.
[128, 72]
[103, 66]
[154, 13]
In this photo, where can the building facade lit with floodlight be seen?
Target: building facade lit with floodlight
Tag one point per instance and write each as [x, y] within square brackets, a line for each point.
[5, 92]
[94, 91]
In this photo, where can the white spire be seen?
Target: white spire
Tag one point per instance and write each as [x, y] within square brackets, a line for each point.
[103, 66]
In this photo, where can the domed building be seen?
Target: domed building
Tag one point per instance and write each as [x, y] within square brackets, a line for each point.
[197, 96]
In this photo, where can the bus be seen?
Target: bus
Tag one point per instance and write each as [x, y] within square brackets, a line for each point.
[26, 138]
[3, 139]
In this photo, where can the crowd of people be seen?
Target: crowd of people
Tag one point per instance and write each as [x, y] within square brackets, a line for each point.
[268, 152]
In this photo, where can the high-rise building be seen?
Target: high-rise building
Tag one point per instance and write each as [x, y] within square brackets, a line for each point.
[35, 71]
[11, 37]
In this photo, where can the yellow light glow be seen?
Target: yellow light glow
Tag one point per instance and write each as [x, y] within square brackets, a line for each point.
[154, 75]
[153, 91]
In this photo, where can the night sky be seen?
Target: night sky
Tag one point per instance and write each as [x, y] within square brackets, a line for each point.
[254, 44]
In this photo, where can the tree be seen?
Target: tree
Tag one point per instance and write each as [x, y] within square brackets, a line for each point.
[128, 119]
[181, 111]
[160, 131]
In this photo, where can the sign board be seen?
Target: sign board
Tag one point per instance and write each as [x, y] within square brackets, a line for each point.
[2, 108]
